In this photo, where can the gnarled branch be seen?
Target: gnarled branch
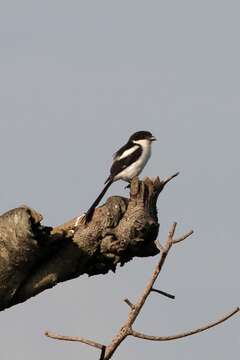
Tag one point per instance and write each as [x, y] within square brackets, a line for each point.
[34, 257]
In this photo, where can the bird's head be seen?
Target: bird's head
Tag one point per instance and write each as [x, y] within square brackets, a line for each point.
[142, 137]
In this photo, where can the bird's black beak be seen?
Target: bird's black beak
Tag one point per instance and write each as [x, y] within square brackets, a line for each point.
[153, 138]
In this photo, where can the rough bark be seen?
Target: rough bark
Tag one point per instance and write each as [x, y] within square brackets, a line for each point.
[34, 257]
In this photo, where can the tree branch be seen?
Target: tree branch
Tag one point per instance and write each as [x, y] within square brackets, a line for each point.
[184, 237]
[121, 229]
[165, 181]
[128, 302]
[187, 333]
[74, 338]
[126, 329]
[164, 293]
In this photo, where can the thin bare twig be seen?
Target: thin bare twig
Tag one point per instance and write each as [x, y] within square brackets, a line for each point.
[184, 237]
[128, 302]
[171, 232]
[187, 333]
[164, 293]
[165, 181]
[102, 355]
[74, 338]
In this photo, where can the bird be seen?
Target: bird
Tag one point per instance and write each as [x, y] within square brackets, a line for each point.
[128, 162]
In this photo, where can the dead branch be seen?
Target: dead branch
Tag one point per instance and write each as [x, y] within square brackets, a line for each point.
[128, 302]
[78, 339]
[164, 293]
[34, 257]
[74, 338]
[187, 333]
[183, 237]
[127, 330]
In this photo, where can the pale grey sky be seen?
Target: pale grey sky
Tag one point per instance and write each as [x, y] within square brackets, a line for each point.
[77, 78]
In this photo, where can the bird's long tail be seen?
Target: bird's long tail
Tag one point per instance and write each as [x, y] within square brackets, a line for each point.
[89, 213]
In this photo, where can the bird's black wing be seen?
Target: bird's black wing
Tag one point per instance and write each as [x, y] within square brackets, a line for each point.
[121, 150]
[117, 166]
[121, 164]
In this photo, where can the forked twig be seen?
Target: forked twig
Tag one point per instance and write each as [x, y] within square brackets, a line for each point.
[126, 329]
[184, 237]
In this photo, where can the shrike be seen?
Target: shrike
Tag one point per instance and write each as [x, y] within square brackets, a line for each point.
[128, 162]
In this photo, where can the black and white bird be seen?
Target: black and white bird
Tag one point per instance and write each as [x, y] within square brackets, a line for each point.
[128, 162]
